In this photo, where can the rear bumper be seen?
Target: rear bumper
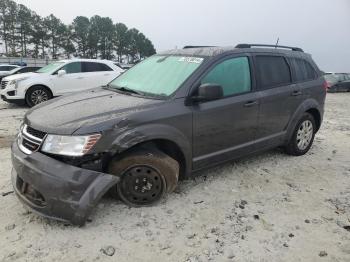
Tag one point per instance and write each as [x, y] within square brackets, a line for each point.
[56, 190]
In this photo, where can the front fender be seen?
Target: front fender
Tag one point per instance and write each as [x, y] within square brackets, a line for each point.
[134, 136]
[36, 82]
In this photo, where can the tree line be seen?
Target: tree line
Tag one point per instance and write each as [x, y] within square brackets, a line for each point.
[24, 33]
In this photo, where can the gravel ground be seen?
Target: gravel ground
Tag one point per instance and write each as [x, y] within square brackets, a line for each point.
[270, 207]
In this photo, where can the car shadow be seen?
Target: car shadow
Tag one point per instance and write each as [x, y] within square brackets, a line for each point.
[5, 105]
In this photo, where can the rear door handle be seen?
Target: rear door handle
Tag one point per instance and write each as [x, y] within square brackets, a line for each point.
[81, 77]
[296, 93]
[251, 103]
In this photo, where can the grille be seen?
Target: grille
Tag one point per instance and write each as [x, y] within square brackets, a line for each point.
[30, 145]
[30, 139]
[36, 133]
[4, 84]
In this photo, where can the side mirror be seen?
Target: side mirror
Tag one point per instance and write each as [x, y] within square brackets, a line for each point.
[61, 73]
[208, 92]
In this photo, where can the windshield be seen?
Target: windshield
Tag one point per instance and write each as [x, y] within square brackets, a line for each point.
[50, 67]
[15, 70]
[157, 75]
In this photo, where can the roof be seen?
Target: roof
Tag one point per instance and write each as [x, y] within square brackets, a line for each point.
[217, 50]
[9, 65]
[85, 60]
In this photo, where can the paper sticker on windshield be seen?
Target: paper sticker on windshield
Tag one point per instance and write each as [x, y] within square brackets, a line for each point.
[196, 60]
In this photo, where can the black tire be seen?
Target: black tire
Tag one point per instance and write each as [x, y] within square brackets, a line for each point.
[36, 95]
[294, 146]
[145, 177]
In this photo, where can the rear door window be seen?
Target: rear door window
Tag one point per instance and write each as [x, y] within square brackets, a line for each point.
[232, 74]
[95, 67]
[272, 71]
[72, 68]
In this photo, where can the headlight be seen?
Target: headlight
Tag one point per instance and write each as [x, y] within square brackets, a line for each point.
[12, 82]
[69, 145]
[15, 82]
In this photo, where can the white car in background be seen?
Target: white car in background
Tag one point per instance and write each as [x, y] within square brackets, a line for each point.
[5, 69]
[56, 79]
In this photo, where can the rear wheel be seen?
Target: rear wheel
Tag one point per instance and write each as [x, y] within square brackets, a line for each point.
[36, 95]
[145, 177]
[303, 136]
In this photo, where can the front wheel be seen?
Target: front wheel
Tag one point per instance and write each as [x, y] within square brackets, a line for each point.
[145, 177]
[36, 95]
[303, 136]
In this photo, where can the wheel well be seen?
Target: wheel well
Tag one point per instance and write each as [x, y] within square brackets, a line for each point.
[48, 89]
[317, 116]
[168, 147]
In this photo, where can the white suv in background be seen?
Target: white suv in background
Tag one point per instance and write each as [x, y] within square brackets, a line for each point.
[58, 78]
[5, 69]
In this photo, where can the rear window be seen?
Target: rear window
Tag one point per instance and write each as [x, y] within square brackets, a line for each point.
[95, 67]
[304, 71]
[330, 78]
[341, 77]
[272, 71]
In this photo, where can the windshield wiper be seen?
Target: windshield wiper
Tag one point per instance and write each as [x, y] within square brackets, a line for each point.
[125, 89]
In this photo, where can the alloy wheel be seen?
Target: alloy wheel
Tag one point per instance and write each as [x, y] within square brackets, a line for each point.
[304, 134]
[39, 96]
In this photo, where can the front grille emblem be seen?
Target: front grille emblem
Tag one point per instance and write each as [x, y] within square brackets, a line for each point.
[28, 142]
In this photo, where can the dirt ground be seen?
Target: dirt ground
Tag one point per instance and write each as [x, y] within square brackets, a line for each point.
[270, 207]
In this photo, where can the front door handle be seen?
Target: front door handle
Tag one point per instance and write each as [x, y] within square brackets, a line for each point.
[251, 103]
[296, 93]
[81, 77]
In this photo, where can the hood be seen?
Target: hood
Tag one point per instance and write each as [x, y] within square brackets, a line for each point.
[95, 110]
[4, 73]
[19, 76]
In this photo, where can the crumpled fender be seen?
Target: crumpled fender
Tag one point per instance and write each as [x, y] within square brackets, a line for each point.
[133, 136]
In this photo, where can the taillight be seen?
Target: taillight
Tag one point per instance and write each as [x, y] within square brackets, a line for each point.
[326, 85]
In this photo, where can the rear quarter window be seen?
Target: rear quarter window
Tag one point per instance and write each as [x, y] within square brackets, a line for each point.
[95, 67]
[304, 71]
[272, 71]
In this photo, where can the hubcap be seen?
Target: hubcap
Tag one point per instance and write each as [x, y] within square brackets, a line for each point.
[141, 185]
[38, 96]
[304, 134]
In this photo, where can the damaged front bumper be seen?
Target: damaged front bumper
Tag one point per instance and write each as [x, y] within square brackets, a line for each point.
[55, 189]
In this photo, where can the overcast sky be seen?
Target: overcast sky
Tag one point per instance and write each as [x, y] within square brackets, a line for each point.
[320, 27]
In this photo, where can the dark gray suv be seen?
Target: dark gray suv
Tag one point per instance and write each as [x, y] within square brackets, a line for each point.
[175, 113]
